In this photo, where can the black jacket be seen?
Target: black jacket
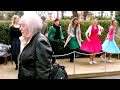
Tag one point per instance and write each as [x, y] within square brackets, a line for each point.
[35, 59]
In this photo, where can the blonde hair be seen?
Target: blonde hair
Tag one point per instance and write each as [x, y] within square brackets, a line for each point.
[13, 19]
[113, 21]
[33, 22]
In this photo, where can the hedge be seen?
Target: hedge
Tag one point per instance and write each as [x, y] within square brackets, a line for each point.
[64, 23]
[4, 26]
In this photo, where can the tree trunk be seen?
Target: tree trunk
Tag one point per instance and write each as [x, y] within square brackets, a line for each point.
[62, 14]
[101, 13]
[75, 14]
[85, 13]
[57, 14]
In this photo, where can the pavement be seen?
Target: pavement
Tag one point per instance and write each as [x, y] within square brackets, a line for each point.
[76, 70]
[82, 69]
[107, 77]
[8, 71]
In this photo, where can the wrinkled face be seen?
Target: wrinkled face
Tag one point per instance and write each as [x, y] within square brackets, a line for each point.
[57, 23]
[24, 29]
[76, 22]
[95, 22]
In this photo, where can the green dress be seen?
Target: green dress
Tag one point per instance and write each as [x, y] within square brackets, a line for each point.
[73, 41]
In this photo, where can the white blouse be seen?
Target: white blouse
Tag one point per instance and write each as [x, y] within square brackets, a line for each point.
[23, 43]
[90, 28]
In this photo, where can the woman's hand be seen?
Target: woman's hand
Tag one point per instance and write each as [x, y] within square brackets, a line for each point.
[9, 46]
[73, 35]
[63, 41]
[81, 40]
[88, 39]
[99, 33]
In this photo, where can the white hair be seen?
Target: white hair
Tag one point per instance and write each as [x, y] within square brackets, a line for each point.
[33, 22]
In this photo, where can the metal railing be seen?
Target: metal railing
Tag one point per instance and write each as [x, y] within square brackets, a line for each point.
[82, 54]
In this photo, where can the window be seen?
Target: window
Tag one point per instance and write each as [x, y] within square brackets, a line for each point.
[111, 13]
[99, 13]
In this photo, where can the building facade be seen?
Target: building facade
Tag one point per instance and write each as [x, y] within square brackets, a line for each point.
[50, 15]
[104, 13]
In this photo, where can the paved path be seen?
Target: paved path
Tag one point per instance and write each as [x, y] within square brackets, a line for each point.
[107, 77]
[81, 66]
[8, 71]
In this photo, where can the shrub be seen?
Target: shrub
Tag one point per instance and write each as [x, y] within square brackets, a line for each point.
[117, 16]
[103, 18]
[67, 17]
[4, 26]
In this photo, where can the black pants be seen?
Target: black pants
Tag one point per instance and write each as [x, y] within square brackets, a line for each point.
[72, 55]
[15, 49]
[54, 46]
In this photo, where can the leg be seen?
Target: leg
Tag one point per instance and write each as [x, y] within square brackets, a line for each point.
[14, 58]
[92, 61]
[15, 49]
[109, 56]
[94, 58]
[78, 50]
[54, 51]
[103, 56]
[72, 56]
[91, 57]
[5, 60]
[16, 64]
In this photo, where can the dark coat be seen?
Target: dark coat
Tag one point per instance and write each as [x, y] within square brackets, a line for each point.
[35, 59]
[51, 34]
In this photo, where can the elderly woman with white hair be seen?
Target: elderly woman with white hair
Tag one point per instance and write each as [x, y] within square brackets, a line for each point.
[36, 52]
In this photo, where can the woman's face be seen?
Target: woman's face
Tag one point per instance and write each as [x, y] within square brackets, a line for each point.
[115, 23]
[24, 29]
[76, 22]
[57, 23]
[17, 20]
[95, 22]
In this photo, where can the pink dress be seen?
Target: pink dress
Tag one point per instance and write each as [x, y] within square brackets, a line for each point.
[94, 46]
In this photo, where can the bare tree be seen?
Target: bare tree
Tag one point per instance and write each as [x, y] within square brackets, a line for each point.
[62, 14]
[57, 14]
[20, 13]
[2, 15]
[102, 13]
[9, 14]
[75, 14]
[85, 13]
